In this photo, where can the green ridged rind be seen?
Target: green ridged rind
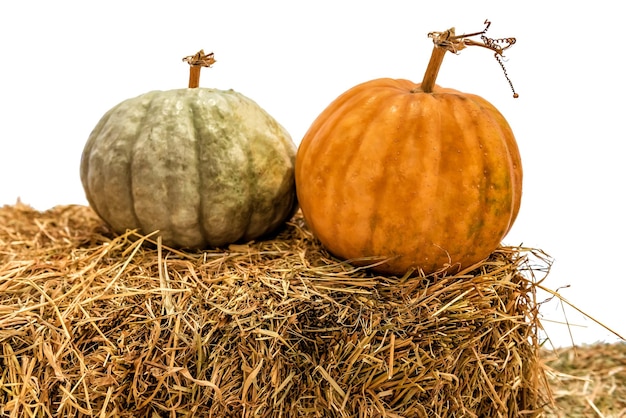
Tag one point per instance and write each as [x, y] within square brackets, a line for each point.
[205, 167]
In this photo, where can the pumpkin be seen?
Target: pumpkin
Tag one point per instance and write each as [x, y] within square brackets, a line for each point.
[410, 177]
[204, 167]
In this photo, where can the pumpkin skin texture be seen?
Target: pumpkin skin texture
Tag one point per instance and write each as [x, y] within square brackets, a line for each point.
[430, 182]
[205, 167]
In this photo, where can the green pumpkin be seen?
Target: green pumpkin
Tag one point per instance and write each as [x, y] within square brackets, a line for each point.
[205, 167]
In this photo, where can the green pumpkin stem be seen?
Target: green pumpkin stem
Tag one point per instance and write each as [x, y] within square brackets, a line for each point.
[196, 62]
[448, 41]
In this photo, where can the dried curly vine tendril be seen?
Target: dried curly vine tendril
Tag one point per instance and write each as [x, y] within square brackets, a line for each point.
[196, 62]
[449, 41]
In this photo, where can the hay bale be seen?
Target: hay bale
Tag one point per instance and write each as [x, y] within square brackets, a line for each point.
[93, 324]
[588, 380]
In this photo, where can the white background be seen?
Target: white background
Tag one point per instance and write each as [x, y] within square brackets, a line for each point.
[64, 63]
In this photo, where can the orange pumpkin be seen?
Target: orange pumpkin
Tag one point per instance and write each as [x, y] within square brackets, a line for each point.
[410, 176]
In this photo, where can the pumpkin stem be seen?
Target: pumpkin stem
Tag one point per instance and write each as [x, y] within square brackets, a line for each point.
[436, 58]
[448, 41]
[196, 62]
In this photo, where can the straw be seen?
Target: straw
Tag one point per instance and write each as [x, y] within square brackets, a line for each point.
[93, 324]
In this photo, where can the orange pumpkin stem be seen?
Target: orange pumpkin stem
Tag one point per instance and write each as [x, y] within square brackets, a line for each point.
[449, 41]
[196, 62]
[430, 77]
